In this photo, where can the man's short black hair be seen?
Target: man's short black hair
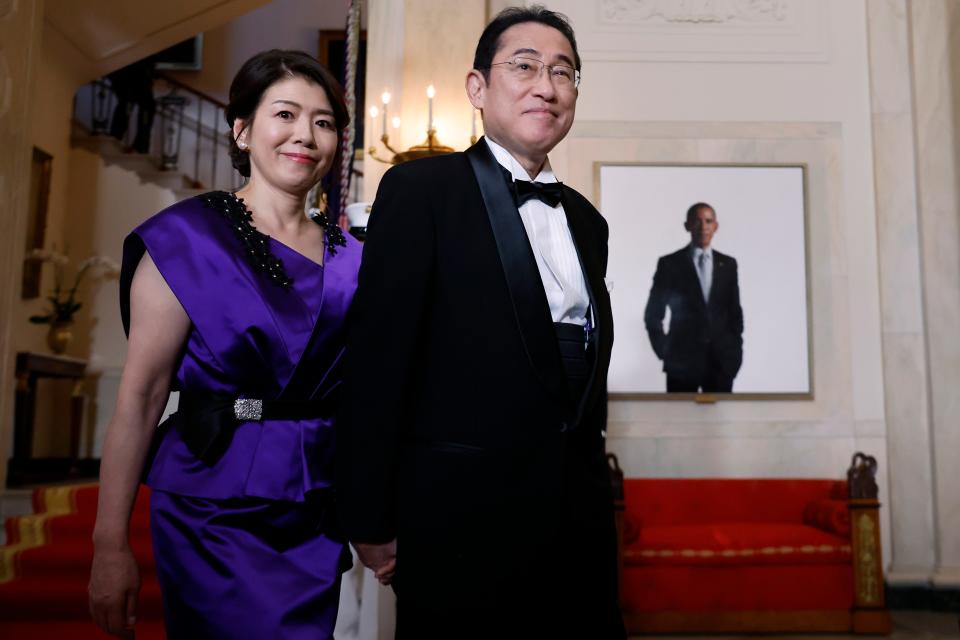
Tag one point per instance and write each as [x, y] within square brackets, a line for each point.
[489, 41]
[692, 211]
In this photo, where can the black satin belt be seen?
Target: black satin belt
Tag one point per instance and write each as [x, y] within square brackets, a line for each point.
[205, 421]
[576, 354]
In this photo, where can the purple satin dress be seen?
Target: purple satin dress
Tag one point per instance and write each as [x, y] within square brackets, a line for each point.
[246, 546]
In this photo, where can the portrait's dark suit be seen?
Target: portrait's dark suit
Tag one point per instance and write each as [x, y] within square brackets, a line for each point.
[459, 435]
[704, 344]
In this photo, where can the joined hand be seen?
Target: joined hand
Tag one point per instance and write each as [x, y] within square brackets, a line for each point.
[380, 558]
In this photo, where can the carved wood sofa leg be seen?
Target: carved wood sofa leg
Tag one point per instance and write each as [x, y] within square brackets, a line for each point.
[869, 614]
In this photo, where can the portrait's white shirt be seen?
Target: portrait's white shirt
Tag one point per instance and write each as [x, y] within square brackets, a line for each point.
[706, 277]
[552, 246]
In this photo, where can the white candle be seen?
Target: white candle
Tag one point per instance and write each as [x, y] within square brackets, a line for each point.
[396, 122]
[430, 93]
[385, 98]
[473, 123]
[374, 112]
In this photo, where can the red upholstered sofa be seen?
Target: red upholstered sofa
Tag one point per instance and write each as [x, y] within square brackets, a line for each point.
[721, 555]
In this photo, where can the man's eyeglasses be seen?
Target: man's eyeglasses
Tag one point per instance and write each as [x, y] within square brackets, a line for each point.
[529, 69]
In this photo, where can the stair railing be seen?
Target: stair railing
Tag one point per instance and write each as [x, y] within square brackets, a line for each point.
[189, 134]
[202, 115]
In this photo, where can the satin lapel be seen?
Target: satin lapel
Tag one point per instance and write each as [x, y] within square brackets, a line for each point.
[592, 268]
[530, 305]
[719, 273]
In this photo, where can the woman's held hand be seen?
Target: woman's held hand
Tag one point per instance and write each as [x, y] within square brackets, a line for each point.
[113, 591]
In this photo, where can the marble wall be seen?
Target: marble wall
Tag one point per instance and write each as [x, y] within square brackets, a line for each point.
[901, 284]
[935, 39]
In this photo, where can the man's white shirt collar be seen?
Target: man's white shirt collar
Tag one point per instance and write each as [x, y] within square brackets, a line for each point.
[552, 244]
[696, 251]
[516, 170]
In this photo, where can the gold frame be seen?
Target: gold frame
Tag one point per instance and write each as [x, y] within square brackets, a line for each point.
[711, 398]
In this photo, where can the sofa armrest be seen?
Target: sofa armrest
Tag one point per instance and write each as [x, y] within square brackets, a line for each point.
[832, 516]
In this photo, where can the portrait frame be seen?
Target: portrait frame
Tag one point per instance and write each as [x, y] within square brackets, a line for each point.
[632, 379]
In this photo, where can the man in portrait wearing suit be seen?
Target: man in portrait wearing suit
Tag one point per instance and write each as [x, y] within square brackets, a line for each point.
[703, 349]
[472, 470]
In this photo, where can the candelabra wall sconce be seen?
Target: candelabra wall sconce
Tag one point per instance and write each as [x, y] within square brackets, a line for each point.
[429, 147]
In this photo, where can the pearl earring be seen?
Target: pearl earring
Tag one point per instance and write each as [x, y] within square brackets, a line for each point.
[242, 145]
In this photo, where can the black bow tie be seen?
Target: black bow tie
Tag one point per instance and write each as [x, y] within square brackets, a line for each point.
[523, 190]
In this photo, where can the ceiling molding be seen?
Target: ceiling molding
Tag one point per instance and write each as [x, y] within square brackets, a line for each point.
[99, 36]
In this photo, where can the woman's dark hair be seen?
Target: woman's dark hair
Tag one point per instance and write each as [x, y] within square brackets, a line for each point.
[489, 42]
[258, 74]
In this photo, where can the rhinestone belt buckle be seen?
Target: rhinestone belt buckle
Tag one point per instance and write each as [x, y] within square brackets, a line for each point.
[247, 409]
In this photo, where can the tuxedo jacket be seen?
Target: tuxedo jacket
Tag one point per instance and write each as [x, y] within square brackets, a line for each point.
[458, 434]
[699, 332]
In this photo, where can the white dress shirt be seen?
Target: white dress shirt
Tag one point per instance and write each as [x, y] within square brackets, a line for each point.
[704, 274]
[552, 245]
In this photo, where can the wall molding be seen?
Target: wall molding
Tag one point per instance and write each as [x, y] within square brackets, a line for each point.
[713, 31]
[711, 11]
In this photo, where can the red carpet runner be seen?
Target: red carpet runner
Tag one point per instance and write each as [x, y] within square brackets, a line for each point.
[45, 566]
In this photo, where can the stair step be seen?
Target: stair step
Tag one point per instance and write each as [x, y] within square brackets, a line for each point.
[66, 598]
[79, 629]
[147, 168]
[58, 561]
[172, 180]
[13, 503]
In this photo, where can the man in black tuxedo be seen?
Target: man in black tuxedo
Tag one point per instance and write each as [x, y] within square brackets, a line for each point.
[472, 469]
[703, 349]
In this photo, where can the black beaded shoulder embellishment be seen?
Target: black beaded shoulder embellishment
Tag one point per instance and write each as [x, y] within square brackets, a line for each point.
[331, 231]
[256, 244]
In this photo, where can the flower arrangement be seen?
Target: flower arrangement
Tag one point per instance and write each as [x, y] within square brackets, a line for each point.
[63, 301]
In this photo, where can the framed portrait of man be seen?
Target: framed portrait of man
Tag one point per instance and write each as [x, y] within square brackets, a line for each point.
[708, 277]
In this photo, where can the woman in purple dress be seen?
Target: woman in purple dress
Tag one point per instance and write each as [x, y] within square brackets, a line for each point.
[237, 301]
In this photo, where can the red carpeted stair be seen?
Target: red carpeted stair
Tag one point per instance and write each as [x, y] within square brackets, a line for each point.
[45, 566]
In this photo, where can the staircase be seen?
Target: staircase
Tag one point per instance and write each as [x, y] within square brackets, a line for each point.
[45, 565]
[116, 152]
[189, 147]
[189, 141]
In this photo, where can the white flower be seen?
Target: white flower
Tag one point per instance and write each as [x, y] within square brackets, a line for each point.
[45, 255]
[108, 265]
